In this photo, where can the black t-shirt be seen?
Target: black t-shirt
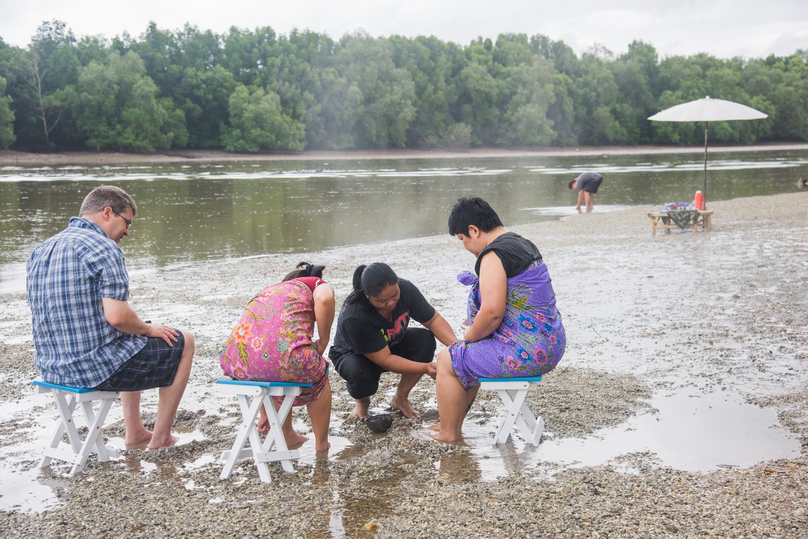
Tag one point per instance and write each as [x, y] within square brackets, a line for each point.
[515, 252]
[362, 330]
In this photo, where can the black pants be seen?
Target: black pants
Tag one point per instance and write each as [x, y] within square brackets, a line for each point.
[362, 375]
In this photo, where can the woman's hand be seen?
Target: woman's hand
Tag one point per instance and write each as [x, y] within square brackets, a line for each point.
[431, 369]
[321, 346]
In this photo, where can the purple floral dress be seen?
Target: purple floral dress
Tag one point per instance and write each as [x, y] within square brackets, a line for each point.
[272, 341]
[530, 340]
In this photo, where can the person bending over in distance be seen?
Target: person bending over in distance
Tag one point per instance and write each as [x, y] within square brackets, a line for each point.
[373, 337]
[587, 185]
[86, 334]
[273, 341]
[514, 327]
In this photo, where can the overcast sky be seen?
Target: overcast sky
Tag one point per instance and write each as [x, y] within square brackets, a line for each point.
[723, 28]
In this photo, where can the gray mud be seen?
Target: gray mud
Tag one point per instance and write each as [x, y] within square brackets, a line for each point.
[718, 317]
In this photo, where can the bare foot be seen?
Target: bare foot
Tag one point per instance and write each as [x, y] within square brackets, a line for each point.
[319, 448]
[442, 437]
[294, 439]
[436, 426]
[142, 445]
[136, 437]
[403, 405]
[156, 444]
[361, 409]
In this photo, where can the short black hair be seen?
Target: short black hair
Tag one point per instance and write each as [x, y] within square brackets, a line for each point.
[572, 183]
[475, 211]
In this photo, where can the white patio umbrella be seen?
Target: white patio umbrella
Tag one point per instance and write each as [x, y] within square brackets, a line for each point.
[707, 110]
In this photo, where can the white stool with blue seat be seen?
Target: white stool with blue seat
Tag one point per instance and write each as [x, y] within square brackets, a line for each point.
[251, 395]
[513, 392]
[67, 399]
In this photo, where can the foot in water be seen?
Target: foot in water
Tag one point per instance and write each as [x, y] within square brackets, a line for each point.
[294, 439]
[157, 444]
[136, 438]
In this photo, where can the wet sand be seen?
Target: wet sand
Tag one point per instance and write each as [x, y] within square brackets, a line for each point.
[709, 321]
[15, 158]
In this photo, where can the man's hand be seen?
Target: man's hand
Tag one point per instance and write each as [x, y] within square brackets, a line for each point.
[121, 316]
[162, 332]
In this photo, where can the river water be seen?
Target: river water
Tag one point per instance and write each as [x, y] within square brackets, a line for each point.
[211, 210]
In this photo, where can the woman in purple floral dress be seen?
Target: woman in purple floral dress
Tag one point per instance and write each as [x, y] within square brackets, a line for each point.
[273, 341]
[514, 327]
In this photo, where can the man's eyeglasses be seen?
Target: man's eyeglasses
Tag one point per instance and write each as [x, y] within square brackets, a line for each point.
[127, 221]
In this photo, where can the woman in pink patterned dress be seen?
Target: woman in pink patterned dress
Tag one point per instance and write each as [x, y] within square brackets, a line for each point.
[274, 341]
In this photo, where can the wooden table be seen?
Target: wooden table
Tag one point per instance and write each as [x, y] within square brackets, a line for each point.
[662, 220]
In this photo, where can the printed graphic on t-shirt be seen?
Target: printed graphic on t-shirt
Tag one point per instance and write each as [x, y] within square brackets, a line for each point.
[398, 328]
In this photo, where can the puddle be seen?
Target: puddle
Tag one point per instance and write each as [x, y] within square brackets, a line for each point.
[27, 491]
[568, 210]
[691, 432]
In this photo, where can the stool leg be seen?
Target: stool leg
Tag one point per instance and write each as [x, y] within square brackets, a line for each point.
[275, 435]
[509, 398]
[531, 427]
[65, 409]
[249, 411]
[255, 439]
[94, 438]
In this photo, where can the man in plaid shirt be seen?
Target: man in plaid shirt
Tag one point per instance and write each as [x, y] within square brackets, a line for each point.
[86, 334]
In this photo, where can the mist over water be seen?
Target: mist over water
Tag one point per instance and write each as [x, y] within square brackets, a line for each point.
[208, 210]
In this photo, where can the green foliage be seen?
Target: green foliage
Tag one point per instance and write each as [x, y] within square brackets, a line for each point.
[7, 136]
[118, 108]
[381, 118]
[258, 123]
[251, 90]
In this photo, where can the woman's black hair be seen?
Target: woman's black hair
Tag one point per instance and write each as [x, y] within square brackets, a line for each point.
[370, 281]
[475, 211]
[304, 269]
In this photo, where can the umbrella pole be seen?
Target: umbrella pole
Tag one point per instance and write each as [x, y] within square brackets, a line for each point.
[704, 191]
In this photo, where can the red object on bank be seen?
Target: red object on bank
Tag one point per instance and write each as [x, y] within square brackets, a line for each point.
[699, 200]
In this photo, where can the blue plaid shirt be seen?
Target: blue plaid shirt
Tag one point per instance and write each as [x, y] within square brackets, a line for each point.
[67, 277]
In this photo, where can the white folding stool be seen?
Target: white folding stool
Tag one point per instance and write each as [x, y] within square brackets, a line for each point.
[251, 395]
[67, 398]
[513, 391]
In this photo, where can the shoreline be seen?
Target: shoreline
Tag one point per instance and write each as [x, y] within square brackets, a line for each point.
[17, 158]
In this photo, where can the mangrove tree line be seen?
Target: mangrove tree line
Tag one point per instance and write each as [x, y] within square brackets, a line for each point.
[252, 90]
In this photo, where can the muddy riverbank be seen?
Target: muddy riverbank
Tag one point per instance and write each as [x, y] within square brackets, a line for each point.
[16, 158]
[678, 344]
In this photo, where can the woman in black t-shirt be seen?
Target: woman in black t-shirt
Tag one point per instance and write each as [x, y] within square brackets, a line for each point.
[373, 337]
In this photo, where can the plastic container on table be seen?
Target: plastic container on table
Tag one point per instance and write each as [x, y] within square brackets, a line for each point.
[699, 201]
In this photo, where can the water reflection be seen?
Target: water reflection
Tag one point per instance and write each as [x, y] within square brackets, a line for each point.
[199, 211]
[459, 467]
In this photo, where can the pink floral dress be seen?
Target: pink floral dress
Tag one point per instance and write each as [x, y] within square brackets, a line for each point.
[273, 341]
